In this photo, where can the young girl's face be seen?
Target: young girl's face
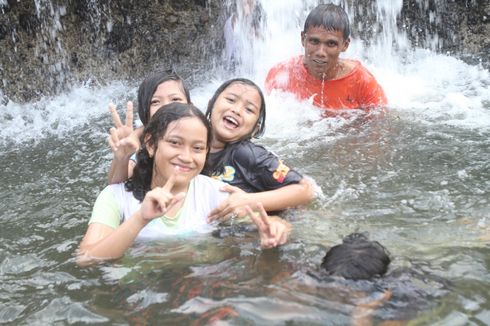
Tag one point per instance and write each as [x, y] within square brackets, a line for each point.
[182, 151]
[167, 92]
[235, 113]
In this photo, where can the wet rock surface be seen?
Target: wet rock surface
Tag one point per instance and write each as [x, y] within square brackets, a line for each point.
[461, 27]
[47, 47]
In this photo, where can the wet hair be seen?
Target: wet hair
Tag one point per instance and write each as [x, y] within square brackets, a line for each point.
[140, 181]
[217, 167]
[148, 88]
[329, 16]
[357, 258]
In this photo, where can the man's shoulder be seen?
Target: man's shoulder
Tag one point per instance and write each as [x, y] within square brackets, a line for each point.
[284, 74]
[358, 68]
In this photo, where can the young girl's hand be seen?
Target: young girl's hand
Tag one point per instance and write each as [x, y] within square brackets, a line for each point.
[234, 205]
[159, 200]
[123, 141]
[273, 230]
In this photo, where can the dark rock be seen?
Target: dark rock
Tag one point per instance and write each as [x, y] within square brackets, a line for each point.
[29, 23]
[461, 26]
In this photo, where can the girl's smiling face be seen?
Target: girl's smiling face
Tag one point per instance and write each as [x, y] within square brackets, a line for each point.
[181, 151]
[167, 92]
[235, 113]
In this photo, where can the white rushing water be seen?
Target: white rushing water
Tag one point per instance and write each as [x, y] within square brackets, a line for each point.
[428, 87]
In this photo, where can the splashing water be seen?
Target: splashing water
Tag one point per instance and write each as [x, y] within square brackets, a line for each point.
[323, 90]
[416, 179]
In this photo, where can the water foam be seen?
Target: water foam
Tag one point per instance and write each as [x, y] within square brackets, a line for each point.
[420, 84]
[59, 115]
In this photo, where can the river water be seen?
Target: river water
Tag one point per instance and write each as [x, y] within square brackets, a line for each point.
[417, 180]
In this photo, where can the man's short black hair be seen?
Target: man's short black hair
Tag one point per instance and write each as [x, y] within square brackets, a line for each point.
[329, 16]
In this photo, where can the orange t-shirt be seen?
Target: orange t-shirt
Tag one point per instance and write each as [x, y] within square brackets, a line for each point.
[357, 89]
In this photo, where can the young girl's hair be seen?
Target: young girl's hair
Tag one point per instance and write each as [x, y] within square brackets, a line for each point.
[329, 16]
[148, 88]
[357, 258]
[258, 130]
[156, 129]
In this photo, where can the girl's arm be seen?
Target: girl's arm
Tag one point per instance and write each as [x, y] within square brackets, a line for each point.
[363, 313]
[121, 170]
[272, 200]
[102, 242]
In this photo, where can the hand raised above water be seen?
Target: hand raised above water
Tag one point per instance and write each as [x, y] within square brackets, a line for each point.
[122, 138]
[273, 230]
[160, 200]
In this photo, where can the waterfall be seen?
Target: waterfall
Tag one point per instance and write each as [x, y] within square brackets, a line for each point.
[434, 87]
[437, 88]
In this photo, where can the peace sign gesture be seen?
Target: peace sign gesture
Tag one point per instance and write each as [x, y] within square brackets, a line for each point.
[160, 200]
[273, 230]
[122, 140]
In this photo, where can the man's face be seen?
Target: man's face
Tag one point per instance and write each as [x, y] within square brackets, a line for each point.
[322, 50]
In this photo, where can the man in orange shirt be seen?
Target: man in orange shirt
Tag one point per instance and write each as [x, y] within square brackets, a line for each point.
[319, 74]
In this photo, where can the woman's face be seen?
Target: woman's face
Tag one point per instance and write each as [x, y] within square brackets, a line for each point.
[167, 92]
[181, 151]
[235, 113]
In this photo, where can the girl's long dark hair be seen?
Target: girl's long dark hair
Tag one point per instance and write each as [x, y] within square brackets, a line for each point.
[216, 168]
[148, 88]
[140, 181]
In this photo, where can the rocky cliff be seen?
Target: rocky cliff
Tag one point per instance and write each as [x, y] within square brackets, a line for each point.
[46, 45]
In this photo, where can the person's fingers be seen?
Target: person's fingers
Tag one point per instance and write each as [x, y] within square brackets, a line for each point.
[264, 217]
[129, 114]
[115, 116]
[268, 243]
[284, 236]
[155, 199]
[221, 211]
[113, 138]
[221, 214]
[180, 196]
[170, 182]
[111, 144]
[129, 144]
[257, 220]
[230, 189]
[273, 230]
[174, 200]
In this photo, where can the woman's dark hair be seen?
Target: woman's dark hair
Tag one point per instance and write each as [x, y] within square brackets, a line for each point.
[140, 182]
[329, 16]
[148, 88]
[357, 258]
[217, 167]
